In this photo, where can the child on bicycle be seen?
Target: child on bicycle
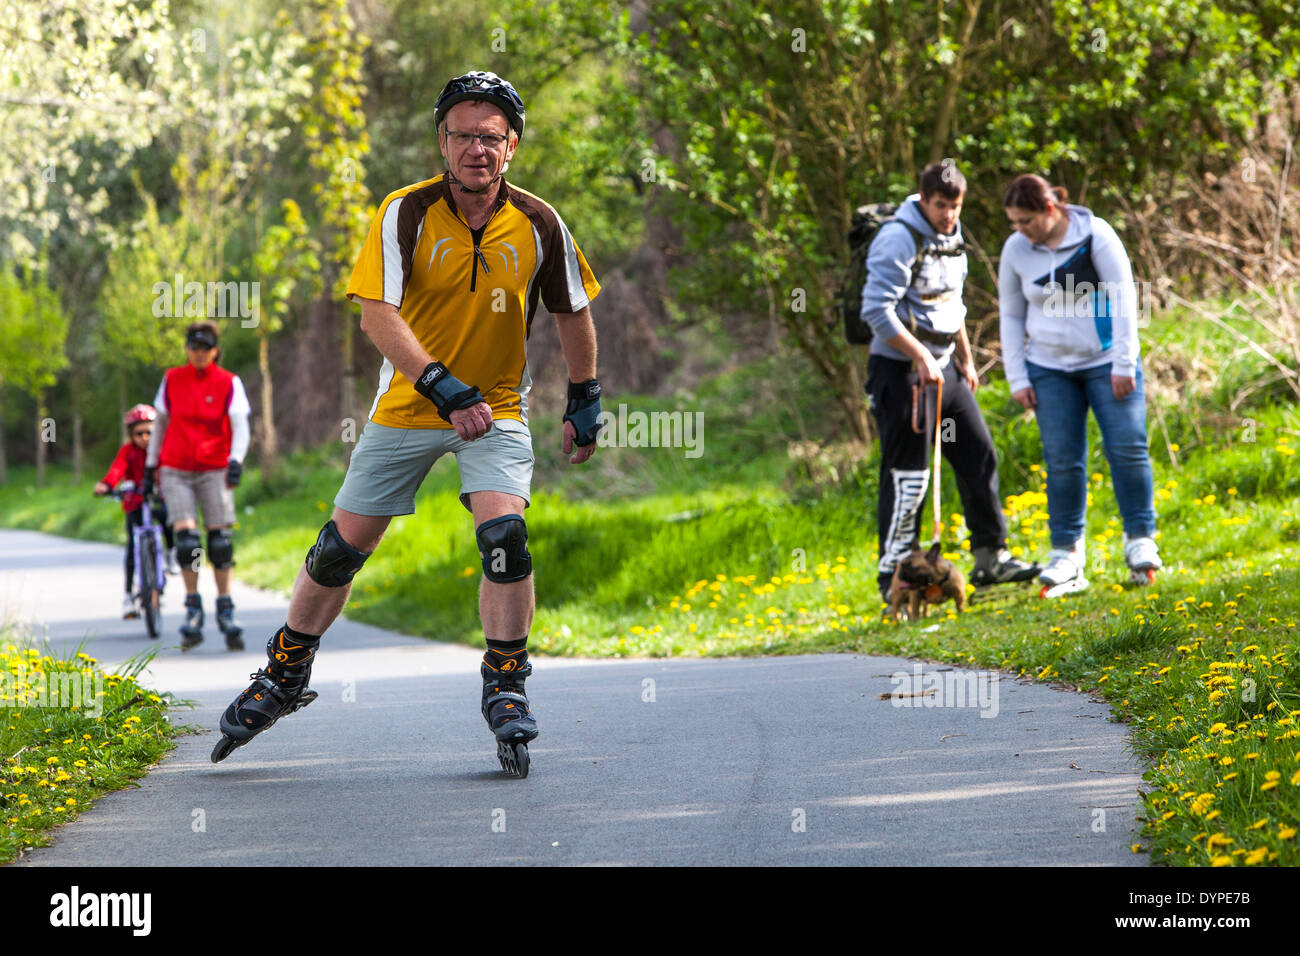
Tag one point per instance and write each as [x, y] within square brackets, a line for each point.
[129, 466]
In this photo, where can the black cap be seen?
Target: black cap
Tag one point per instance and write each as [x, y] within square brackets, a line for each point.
[201, 338]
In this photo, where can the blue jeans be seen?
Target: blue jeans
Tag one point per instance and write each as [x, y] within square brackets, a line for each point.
[1063, 402]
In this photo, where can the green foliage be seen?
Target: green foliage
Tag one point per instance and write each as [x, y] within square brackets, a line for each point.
[136, 330]
[288, 256]
[85, 86]
[69, 733]
[566, 88]
[334, 132]
[33, 327]
[763, 125]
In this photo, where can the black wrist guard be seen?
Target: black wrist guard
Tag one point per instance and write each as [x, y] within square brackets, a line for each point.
[446, 391]
[583, 410]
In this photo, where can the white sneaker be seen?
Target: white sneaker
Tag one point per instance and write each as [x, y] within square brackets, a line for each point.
[1063, 566]
[1141, 554]
[129, 609]
[173, 566]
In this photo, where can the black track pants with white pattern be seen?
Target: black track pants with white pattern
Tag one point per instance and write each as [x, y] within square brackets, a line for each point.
[905, 460]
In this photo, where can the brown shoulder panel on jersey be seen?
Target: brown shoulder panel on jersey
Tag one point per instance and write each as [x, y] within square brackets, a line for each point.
[414, 206]
[552, 281]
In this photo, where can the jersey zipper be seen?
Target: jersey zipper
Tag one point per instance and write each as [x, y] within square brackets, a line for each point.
[477, 258]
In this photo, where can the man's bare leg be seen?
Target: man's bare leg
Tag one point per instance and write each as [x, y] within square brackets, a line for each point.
[506, 610]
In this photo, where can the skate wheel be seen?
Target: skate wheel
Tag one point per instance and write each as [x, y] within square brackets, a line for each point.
[223, 748]
[1043, 592]
[513, 758]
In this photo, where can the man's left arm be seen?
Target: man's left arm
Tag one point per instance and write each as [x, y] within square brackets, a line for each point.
[578, 343]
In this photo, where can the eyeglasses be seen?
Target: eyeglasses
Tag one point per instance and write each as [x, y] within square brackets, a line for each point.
[490, 141]
[200, 346]
[142, 431]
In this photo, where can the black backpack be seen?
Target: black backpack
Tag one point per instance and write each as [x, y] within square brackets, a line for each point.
[863, 227]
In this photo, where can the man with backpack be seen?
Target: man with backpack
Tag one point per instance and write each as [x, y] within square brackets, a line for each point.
[912, 306]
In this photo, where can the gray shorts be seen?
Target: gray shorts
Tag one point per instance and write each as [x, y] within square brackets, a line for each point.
[184, 490]
[389, 464]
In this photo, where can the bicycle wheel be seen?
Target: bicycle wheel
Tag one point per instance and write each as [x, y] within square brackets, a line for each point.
[148, 588]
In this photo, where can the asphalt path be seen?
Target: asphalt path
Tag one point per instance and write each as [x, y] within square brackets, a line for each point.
[758, 761]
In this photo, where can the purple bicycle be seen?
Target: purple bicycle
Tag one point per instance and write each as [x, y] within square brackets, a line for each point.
[150, 562]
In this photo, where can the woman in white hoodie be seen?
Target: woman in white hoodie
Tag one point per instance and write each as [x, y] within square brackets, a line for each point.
[1069, 343]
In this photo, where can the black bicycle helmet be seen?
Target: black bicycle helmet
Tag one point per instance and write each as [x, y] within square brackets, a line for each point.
[480, 85]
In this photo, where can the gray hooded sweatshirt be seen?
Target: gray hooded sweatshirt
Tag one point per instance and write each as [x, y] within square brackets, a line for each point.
[1068, 308]
[934, 299]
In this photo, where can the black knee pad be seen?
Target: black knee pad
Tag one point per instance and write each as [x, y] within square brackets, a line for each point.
[332, 562]
[221, 548]
[503, 546]
[189, 549]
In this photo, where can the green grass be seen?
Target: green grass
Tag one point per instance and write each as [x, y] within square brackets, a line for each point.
[752, 550]
[69, 733]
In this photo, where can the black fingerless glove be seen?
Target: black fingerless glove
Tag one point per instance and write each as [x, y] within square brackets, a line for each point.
[584, 410]
[146, 486]
[233, 471]
[446, 391]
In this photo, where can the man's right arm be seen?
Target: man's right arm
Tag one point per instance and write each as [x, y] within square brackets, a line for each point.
[394, 338]
[889, 275]
[385, 326]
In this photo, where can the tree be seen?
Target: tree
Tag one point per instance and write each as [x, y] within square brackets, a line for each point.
[334, 134]
[95, 72]
[289, 257]
[781, 117]
[32, 332]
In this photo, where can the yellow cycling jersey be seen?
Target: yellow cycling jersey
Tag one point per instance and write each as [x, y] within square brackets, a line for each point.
[469, 298]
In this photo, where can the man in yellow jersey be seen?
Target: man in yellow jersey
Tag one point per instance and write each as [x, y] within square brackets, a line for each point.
[448, 281]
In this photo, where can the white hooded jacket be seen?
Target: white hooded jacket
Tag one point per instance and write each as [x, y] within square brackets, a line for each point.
[1068, 308]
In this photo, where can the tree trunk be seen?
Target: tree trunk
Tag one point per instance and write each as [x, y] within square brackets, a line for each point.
[943, 123]
[78, 458]
[348, 397]
[270, 450]
[854, 402]
[4, 459]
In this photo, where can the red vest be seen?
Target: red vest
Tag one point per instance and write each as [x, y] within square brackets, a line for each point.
[198, 426]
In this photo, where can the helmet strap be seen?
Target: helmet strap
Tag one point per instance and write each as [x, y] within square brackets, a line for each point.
[465, 189]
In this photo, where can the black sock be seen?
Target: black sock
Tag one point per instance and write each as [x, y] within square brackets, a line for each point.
[298, 637]
[499, 652]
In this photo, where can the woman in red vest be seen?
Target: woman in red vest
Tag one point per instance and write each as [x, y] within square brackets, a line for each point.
[198, 446]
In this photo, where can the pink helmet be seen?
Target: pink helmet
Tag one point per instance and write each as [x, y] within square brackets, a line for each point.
[140, 413]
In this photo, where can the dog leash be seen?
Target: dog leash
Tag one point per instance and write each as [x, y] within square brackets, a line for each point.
[920, 394]
[937, 461]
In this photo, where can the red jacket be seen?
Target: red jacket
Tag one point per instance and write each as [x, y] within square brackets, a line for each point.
[127, 466]
[198, 426]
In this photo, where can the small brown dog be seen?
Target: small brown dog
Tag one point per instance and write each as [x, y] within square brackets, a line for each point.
[924, 578]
